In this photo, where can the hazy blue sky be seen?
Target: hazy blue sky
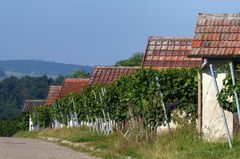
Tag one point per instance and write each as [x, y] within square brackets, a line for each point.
[90, 32]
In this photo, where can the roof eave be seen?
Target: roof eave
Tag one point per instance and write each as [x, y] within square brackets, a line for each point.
[215, 56]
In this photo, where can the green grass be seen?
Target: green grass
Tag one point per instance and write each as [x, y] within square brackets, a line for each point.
[27, 134]
[183, 143]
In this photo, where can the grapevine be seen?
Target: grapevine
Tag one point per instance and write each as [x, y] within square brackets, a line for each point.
[135, 97]
[225, 97]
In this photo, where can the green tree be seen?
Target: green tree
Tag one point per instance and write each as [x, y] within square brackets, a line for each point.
[79, 74]
[134, 60]
[59, 80]
[2, 74]
[14, 91]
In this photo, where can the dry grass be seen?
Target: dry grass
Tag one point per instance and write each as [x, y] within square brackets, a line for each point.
[183, 143]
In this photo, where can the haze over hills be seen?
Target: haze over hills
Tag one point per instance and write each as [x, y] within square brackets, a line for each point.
[21, 68]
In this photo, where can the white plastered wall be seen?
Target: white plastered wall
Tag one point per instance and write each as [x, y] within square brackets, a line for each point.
[212, 120]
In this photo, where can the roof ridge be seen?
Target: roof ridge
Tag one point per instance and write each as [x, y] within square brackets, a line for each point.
[55, 86]
[99, 66]
[80, 79]
[220, 15]
[36, 100]
[171, 37]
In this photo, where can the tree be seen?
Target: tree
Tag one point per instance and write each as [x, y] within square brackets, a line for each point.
[59, 80]
[14, 91]
[79, 74]
[2, 73]
[135, 60]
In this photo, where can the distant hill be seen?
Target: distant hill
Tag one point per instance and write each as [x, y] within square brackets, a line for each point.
[2, 73]
[20, 68]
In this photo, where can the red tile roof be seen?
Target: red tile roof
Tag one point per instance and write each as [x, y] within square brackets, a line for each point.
[73, 85]
[30, 105]
[105, 75]
[53, 94]
[217, 35]
[169, 52]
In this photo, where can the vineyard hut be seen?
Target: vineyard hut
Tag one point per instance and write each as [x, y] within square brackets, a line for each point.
[217, 41]
[53, 94]
[29, 108]
[105, 75]
[169, 52]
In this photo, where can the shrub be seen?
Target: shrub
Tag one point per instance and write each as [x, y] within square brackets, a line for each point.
[10, 127]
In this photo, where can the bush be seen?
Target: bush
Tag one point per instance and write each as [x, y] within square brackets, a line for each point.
[10, 127]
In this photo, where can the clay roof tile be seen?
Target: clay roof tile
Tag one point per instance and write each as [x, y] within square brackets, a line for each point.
[219, 39]
[170, 52]
[30, 105]
[107, 74]
[53, 94]
[73, 85]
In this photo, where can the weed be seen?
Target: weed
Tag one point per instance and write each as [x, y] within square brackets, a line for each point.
[182, 143]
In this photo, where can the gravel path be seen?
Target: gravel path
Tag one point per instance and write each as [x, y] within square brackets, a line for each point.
[18, 148]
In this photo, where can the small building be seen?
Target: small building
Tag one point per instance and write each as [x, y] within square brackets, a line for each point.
[217, 40]
[29, 108]
[107, 74]
[169, 52]
[53, 95]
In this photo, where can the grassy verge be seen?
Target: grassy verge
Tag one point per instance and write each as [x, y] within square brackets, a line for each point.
[182, 144]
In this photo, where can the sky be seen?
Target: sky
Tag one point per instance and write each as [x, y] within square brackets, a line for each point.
[95, 32]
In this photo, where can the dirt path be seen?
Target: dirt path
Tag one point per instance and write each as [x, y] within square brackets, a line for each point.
[18, 148]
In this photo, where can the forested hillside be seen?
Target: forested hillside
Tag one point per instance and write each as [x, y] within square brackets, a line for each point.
[2, 74]
[39, 67]
[14, 91]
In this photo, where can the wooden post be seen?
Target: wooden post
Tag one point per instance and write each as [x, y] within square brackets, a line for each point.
[235, 125]
[199, 102]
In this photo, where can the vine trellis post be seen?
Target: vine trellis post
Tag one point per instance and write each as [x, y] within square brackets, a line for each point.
[90, 124]
[76, 123]
[106, 126]
[101, 123]
[163, 105]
